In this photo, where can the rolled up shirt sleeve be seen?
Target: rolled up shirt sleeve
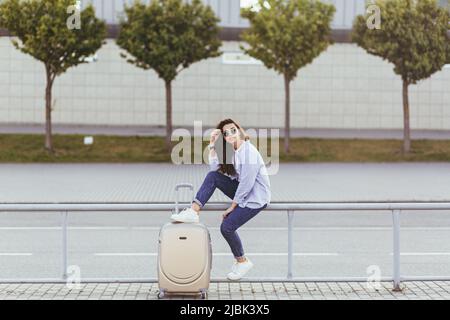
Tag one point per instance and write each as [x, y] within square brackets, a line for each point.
[213, 163]
[247, 179]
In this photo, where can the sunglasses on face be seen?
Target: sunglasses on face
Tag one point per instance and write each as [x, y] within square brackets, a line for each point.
[229, 132]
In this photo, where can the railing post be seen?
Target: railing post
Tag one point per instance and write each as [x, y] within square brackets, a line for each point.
[64, 244]
[396, 253]
[290, 243]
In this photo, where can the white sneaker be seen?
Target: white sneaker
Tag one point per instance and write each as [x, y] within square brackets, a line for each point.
[188, 215]
[239, 270]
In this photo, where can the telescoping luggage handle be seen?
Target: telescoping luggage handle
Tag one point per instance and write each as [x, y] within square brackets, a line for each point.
[178, 187]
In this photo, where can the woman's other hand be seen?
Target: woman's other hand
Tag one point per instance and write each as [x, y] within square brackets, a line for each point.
[226, 213]
[229, 210]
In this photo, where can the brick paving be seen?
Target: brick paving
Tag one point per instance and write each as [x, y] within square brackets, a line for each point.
[423, 290]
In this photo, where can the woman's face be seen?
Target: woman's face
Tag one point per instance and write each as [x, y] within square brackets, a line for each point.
[231, 133]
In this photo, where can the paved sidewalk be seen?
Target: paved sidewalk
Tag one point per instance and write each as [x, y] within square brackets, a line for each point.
[293, 182]
[428, 290]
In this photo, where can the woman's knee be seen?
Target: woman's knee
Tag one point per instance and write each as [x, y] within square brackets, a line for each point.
[226, 229]
[212, 175]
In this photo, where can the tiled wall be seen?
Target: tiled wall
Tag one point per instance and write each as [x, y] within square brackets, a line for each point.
[343, 88]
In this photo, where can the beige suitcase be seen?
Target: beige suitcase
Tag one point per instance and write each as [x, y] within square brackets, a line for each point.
[184, 257]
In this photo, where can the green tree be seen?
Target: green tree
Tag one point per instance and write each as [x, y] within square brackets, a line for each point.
[287, 35]
[46, 31]
[413, 37]
[168, 36]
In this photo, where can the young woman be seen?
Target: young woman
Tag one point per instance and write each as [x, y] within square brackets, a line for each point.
[242, 176]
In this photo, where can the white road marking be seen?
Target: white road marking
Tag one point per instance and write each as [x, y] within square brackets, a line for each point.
[424, 253]
[267, 254]
[59, 228]
[312, 254]
[257, 254]
[152, 254]
[131, 254]
[113, 228]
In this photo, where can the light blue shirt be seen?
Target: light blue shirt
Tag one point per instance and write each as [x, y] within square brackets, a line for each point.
[251, 172]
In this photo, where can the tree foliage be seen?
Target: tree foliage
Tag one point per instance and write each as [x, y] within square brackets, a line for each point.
[413, 37]
[169, 35]
[286, 35]
[41, 27]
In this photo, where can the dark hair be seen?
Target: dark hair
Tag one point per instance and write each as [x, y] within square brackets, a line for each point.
[226, 166]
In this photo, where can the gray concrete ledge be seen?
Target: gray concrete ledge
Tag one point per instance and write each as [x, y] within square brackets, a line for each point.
[32, 128]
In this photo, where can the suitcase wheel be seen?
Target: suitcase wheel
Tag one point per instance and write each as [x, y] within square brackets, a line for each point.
[160, 294]
[203, 295]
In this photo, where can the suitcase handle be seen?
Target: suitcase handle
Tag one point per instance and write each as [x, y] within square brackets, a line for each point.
[178, 187]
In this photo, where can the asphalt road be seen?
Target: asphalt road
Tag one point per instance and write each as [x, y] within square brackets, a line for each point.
[124, 245]
[326, 244]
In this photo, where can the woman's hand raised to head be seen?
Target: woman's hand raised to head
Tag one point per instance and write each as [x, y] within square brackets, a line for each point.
[214, 135]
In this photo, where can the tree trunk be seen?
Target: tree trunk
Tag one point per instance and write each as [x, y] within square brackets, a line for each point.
[287, 127]
[406, 131]
[48, 112]
[168, 114]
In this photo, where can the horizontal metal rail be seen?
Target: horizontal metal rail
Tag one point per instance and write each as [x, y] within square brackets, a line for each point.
[274, 206]
[290, 207]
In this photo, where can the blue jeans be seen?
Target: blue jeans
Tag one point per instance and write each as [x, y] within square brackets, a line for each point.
[238, 217]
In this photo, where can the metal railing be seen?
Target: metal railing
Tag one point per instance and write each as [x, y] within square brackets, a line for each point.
[394, 207]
